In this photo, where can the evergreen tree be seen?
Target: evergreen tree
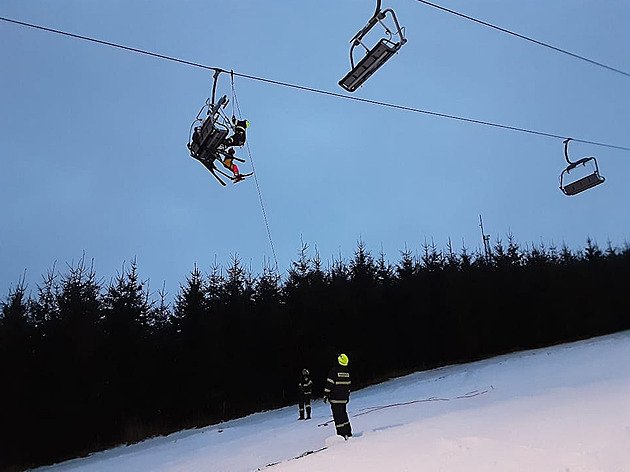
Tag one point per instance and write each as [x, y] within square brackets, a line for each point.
[45, 308]
[362, 267]
[17, 365]
[406, 268]
[299, 270]
[191, 310]
[126, 313]
[566, 256]
[115, 367]
[267, 291]
[71, 378]
[160, 315]
[592, 251]
[432, 258]
[127, 309]
[14, 320]
[466, 260]
[191, 357]
[451, 261]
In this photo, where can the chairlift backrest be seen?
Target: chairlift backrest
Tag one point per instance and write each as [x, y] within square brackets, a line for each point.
[211, 137]
[211, 133]
[377, 55]
[584, 183]
[213, 109]
[370, 63]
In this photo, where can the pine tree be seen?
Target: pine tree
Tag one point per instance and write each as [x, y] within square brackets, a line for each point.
[45, 307]
[19, 377]
[362, 267]
[14, 320]
[432, 259]
[406, 268]
[72, 371]
[592, 251]
[191, 310]
[126, 310]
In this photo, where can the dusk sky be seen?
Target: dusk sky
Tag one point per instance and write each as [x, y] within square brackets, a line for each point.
[93, 138]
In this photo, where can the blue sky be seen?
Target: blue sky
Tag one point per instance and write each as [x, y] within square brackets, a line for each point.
[93, 139]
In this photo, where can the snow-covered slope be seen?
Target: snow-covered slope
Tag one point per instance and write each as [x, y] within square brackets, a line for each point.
[564, 409]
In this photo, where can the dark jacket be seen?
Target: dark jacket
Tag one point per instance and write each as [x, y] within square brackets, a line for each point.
[338, 384]
[306, 386]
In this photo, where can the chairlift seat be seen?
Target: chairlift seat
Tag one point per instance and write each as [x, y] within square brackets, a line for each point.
[370, 63]
[582, 184]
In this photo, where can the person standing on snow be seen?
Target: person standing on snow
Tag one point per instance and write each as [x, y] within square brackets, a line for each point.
[337, 390]
[306, 390]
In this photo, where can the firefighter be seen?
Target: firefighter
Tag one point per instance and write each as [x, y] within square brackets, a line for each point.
[306, 389]
[337, 391]
[239, 136]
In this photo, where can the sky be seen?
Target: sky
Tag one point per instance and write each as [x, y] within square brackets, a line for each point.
[564, 408]
[93, 138]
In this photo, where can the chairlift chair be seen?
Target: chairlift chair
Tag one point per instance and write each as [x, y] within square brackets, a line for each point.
[205, 139]
[584, 183]
[376, 56]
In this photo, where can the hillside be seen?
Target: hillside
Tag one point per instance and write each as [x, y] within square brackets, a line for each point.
[564, 408]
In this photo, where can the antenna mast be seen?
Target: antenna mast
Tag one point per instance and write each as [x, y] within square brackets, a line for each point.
[486, 240]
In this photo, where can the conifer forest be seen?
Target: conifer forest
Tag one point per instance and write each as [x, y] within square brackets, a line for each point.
[88, 363]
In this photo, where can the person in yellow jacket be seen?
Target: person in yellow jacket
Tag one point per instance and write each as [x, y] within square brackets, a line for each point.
[240, 133]
[337, 391]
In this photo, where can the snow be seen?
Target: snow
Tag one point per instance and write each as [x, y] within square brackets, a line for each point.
[562, 409]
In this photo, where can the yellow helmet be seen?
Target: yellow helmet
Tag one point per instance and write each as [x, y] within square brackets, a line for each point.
[343, 359]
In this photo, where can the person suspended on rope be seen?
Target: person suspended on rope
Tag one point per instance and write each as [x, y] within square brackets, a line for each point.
[239, 136]
[228, 162]
[338, 392]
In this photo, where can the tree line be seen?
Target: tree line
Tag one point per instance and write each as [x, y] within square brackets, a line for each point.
[87, 365]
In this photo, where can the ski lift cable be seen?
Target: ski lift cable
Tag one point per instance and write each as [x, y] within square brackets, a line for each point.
[428, 112]
[526, 38]
[111, 44]
[314, 90]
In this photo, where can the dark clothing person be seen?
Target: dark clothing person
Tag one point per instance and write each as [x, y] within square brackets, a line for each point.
[337, 390]
[306, 390]
[196, 137]
[239, 136]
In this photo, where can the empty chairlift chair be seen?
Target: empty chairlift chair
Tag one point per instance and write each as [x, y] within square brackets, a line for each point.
[376, 56]
[568, 185]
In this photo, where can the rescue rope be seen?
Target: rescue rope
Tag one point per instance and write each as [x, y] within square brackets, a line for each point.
[372, 409]
[251, 159]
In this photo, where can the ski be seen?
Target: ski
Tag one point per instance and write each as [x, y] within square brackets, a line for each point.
[299, 456]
